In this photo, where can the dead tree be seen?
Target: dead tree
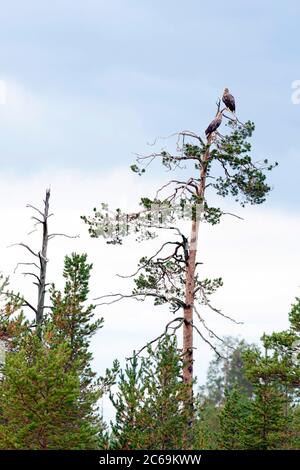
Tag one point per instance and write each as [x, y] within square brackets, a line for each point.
[43, 260]
[40, 260]
[219, 162]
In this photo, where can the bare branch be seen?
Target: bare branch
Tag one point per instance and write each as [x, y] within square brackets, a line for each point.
[140, 297]
[216, 310]
[168, 326]
[207, 342]
[21, 299]
[178, 134]
[152, 156]
[26, 264]
[149, 260]
[233, 215]
[32, 274]
[210, 332]
[32, 231]
[52, 235]
[36, 209]
[38, 221]
[233, 119]
[25, 246]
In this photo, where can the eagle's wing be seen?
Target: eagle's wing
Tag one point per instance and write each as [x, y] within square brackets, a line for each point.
[213, 126]
[229, 101]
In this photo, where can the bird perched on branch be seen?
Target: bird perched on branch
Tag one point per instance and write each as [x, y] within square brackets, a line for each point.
[228, 100]
[214, 124]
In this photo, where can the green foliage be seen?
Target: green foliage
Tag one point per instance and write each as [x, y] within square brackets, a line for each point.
[234, 420]
[286, 345]
[233, 173]
[13, 324]
[206, 428]
[293, 431]
[241, 178]
[294, 317]
[273, 419]
[127, 429]
[227, 372]
[150, 412]
[136, 169]
[71, 320]
[164, 281]
[223, 165]
[251, 404]
[212, 215]
[151, 280]
[268, 419]
[40, 401]
[48, 391]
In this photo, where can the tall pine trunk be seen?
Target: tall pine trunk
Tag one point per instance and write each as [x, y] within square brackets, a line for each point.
[190, 286]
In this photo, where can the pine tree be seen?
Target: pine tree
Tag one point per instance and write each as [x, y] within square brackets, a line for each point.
[286, 348]
[127, 430]
[207, 424]
[166, 396]
[219, 164]
[149, 404]
[281, 370]
[49, 392]
[268, 420]
[72, 321]
[294, 428]
[234, 419]
[40, 401]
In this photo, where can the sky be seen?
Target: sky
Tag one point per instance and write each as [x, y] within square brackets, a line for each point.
[85, 84]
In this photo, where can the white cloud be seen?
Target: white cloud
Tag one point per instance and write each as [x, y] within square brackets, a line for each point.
[20, 107]
[258, 259]
[3, 92]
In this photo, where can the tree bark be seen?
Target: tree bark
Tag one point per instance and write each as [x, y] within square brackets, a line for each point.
[43, 263]
[190, 287]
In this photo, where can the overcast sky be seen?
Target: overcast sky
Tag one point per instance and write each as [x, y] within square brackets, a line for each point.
[85, 84]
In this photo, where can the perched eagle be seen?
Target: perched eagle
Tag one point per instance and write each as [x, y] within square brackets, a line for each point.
[214, 125]
[228, 100]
